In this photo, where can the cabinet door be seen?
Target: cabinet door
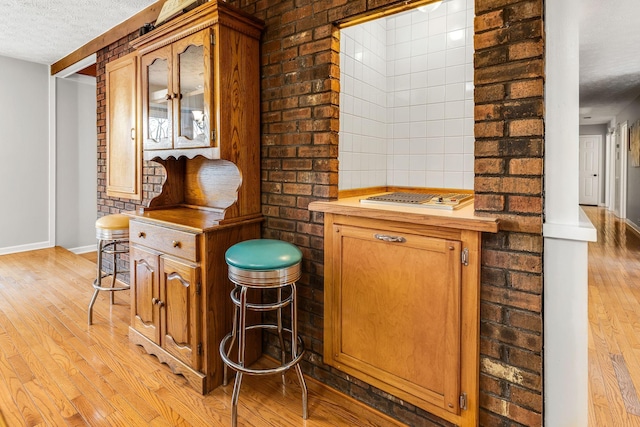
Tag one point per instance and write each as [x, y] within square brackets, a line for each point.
[192, 71]
[395, 317]
[144, 279]
[124, 165]
[157, 99]
[180, 310]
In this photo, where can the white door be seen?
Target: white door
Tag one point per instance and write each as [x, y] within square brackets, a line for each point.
[589, 169]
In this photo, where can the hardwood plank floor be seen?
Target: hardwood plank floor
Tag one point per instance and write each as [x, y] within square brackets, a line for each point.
[57, 371]
[614, 322]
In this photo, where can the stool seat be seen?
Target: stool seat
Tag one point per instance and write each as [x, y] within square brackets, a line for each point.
[263, 254]
[113, 222]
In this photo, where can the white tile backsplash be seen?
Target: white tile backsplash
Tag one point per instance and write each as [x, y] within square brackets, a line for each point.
[406, 106]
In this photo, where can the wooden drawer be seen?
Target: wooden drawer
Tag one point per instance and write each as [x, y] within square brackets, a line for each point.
[165, 240]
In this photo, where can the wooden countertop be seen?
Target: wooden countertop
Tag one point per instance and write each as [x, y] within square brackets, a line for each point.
[463, 218]
[190, 219]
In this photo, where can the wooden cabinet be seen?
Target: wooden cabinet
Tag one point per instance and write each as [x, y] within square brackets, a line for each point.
[402, 302]
[200, 84]
[200, 114]
[124, 157]
[180, 305]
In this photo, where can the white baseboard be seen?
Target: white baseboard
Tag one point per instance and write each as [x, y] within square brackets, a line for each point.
[633, 226]
[25, 248]
[82, 249]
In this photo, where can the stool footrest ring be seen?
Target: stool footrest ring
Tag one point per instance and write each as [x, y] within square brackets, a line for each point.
[266, 371]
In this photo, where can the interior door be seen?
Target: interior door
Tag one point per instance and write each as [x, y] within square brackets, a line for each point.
[589, 169]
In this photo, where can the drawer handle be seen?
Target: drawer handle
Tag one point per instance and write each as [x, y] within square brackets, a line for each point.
[157, 302]
[387, 238]
[142, 234]
[176, 244]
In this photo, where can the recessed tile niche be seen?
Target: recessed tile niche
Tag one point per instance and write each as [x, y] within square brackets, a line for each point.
[406, 100]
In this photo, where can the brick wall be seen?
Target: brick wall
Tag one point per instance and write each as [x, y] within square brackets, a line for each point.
[300, 88]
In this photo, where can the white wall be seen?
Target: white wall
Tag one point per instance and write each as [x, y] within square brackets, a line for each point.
[24, 155]
[76, 160]
[631, 114]
[424, 64]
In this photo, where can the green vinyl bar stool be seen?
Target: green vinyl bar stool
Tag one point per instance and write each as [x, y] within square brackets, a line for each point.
[263, 264]
[112, 232]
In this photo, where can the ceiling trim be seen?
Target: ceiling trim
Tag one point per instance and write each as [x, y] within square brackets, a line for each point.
[116, 33]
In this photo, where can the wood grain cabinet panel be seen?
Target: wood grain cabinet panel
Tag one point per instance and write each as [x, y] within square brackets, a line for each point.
[124, 157]
[402, 310]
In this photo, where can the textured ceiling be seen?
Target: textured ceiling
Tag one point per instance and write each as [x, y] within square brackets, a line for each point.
[45, 31]
[609, 58]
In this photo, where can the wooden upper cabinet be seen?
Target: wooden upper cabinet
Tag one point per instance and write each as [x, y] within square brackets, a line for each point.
[200, 85]
[124, 160]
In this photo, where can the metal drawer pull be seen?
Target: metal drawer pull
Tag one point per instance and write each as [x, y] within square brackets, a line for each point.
[176, 244]
[142, 234]
[386, 238]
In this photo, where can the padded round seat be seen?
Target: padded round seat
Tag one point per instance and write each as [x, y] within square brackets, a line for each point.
[263, 264]
[112, 232]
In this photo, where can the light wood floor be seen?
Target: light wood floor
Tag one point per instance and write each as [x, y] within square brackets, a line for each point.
[57, 371]
[614, 323]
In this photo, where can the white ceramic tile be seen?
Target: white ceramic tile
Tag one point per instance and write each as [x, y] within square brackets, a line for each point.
[401, 178]
[469, 126]
[418, 162]
[453, 180]
[435, 145]
[418, 146]
[420, 30]
[453, 162]
[469, 162]
[435, 128]
[435, 162]
[418, 113]
[419, 47]
[419, 96]
[401, 162]
[435, 179]
[436, 94]
[469, 107]
[469, 144]
[468, 90]
[436, 60]
[435, 111]
[401, 130]
[437, 43]
[454, 6]
[403, 20]
[454, 92]
[456, 38]
[437, 25]
[456, 20]
[453, 145]
[402, 66]
[454, 109]
[402, 98]
[455, 74]
[401, 146]
[418, 64]
[419, 80]
[417, 178]
[468, 180]
[418, 129]
[401, 114]
[455, 56]
[454, 127]
[436, 77]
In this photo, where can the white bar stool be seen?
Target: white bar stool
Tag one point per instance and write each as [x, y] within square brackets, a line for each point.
[112, 232]
[263, 264]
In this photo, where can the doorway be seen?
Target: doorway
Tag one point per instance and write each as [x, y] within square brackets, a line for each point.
[590, 169]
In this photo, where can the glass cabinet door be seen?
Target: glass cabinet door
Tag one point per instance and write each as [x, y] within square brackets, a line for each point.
[192, 104]
[157, 99]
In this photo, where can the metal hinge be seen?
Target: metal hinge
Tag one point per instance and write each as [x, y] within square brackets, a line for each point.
[464, 256]
[200, 350]
[213, 38]
[463, 401]
[198, 288]
[213, 135]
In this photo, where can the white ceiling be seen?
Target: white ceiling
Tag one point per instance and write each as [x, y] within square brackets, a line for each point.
[45, 31]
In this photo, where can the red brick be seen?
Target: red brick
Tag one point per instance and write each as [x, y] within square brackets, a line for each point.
[489, 202]
[512, 298]
[488, 21]
[489, 166]
[489, 129]
[526, 89]
[525, 166]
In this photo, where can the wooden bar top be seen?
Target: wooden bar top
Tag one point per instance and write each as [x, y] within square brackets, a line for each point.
[463, 218]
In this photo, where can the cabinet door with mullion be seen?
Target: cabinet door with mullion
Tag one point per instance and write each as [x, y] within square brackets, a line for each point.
[157, 99]
[193, 98]
[180, 310]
